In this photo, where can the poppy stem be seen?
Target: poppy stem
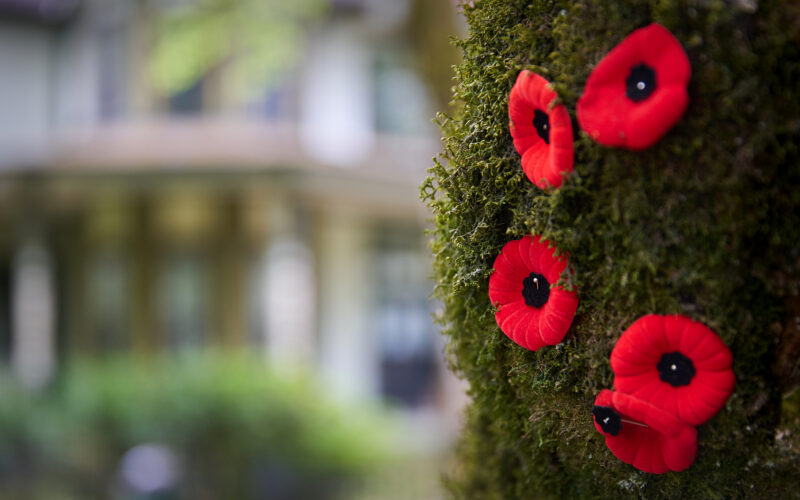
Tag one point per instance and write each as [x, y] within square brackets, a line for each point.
[634, 423]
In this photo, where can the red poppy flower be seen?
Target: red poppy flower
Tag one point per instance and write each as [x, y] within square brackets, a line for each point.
[532, 311]
[675, 363]
[643, 435]
[542, 130]
[638, 90]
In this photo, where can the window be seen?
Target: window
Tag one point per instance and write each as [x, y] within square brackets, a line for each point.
[408, 360]
[402, 104]
[108, 301]
[188, 101]
[183, 301]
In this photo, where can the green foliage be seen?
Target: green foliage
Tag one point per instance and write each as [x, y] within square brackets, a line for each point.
[236, 428]
[704, 224]
[257, 39]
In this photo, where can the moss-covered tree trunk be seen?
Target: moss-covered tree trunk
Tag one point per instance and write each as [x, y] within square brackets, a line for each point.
[706, 223]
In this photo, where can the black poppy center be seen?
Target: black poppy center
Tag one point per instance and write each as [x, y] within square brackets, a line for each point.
[608, 419]
[640, 83]
[676, 369]
[535, 290]
[542, 123]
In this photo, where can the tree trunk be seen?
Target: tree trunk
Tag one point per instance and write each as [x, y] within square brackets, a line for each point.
[705, 223]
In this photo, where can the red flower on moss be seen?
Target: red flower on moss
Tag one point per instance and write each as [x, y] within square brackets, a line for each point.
[675, 363]
[638, 90]
[644, 435]
[532, 311]
[541, 129]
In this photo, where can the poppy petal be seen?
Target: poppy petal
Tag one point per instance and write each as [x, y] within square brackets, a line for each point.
[563, 304]
[687, 406]
[653, 333]
[507, 310]
[629, 347]
[548, 260]
[520, 330]
[501, 296]
[536, 250]
[626, 368]
[550, 330]
[669, 106]
[679, 453]
[511, 255]
[534, 163]
[504, 270]
[691, 333]
[511, 321]
[503, 291]
[533, 335]
[719, 361]
[707, 345]
[524, 251]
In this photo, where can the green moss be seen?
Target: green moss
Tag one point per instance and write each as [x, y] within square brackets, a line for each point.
[704, 224]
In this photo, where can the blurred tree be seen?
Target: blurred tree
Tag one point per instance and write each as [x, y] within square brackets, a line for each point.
[254, 39]
[430, 27]
[205, 425]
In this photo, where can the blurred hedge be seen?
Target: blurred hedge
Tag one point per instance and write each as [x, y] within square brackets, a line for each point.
[237, 431]
[705, 223]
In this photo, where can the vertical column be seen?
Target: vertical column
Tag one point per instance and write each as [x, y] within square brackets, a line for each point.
[145, 336]
[230, 273]
[287, 289]
[336, 112]
[33, 305]
[347, 358]
[72, 286]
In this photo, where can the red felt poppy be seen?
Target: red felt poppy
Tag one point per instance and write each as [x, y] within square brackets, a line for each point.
[643, 435]
[638, 90]
[532, 311]
[675, 363]
[541, 129]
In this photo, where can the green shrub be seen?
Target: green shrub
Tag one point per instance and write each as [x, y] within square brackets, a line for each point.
[705, 223]
[238, 431]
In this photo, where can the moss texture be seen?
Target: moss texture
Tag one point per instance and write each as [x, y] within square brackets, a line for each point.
[706, 223]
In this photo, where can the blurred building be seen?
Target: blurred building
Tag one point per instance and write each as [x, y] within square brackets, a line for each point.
[287, 221]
